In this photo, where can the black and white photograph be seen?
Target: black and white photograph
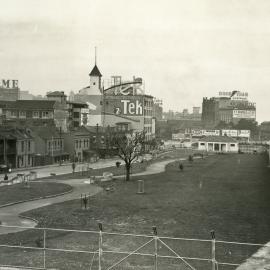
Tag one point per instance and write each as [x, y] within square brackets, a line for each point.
[135, 135]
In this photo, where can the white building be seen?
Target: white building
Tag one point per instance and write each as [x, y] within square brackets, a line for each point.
[218, 144]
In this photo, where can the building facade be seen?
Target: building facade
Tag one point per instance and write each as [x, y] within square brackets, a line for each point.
[77, 143]
[9, 90]
[17, 147]
[49, 144]
[220, 144]
[229, 107]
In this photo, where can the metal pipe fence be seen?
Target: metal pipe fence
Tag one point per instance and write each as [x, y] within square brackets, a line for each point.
[56, 248]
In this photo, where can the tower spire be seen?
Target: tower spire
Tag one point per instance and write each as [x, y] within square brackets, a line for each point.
[95, 55]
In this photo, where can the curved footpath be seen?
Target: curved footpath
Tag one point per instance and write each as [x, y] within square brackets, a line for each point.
[10, 215]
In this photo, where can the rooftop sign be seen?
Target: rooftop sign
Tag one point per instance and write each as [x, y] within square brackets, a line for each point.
[9, 84]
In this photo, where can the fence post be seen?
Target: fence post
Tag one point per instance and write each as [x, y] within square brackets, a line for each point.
[156, 246]
[100, 246]
[44, 249]
[213, 250]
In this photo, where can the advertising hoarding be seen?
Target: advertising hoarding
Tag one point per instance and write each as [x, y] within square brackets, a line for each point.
[208, 132]
[229, 132]
[124, 105]
[126, 89]
[244, 133]
[247, 114]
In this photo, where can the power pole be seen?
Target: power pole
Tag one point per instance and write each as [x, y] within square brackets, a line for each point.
[97, 139]
[52, 150]
[5, 151]
[61, 147]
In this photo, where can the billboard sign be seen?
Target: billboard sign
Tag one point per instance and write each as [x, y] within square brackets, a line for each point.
[208, 132]
[244, 133]
[229, 132]
[126, 89]
[129, 107]
[9, 84]
[247, 114]
[126, 106]
[234, 95]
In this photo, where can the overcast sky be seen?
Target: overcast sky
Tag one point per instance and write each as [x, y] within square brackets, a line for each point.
[184, 49]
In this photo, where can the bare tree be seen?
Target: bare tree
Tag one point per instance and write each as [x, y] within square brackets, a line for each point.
[130, 147]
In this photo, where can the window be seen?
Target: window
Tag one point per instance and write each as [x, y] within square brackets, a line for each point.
[22, 146]
[76, 115]
[232, 144]
[13, 114]
[80, 144]
[45, 114]
[35, 114]
[29, 146]
[22, 114]
[202, 143]
[49, 145]
[29, 160]
[76, 144]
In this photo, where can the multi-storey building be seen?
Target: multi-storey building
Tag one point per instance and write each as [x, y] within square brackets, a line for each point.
[49, 145]
[55, 111]
[17, 147]
[157, 109]
[265, 131]
[29, 112]
[75, 110]
[125, 105]
[210, 109]
[9, 90]
[77, 143]
[229, 107]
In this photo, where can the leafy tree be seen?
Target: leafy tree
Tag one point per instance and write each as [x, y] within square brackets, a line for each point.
[130, 147]
[248, 124]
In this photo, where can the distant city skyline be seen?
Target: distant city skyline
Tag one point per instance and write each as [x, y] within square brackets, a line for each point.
[184, 50]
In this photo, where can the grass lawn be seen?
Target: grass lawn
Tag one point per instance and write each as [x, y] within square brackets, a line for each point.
[226, 193]
[18, 192]
[136, 167]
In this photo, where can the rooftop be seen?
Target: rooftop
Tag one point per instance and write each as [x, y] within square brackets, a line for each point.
[46, 132]
[14, 133]
[56, 94]
[95, 72]
[28, 104]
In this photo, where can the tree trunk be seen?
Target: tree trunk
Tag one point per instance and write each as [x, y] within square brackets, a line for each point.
[127, 171]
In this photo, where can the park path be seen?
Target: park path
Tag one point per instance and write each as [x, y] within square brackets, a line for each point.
[64, 168]
[10, 215]
[258, 261]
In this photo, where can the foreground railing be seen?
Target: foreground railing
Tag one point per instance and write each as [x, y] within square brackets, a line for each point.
[53, 248]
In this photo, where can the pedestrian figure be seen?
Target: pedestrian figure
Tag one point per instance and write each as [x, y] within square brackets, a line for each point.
[181, 167]
[6, 177]
[73, 167]
[85, 200]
